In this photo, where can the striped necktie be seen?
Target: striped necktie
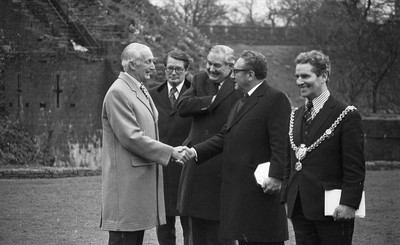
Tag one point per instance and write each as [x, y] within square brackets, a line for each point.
[307, 113]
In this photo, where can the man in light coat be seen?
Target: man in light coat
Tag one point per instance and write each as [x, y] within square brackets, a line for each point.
[132, 185]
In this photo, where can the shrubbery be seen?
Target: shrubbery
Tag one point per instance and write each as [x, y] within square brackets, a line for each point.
[18, 147]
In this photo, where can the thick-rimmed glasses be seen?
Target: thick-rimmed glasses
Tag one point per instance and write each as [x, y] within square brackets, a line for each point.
[177, 69]
[236, 71]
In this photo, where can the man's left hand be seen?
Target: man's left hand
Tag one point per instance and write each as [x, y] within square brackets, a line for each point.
[271, 185]
[344, 212]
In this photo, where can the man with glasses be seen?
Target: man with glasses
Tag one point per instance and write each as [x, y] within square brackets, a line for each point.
[173, 131]
[132, 187]
[207, 102]
[256, 133]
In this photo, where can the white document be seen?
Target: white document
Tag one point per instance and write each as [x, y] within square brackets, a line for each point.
[332, 199]
[262, 172]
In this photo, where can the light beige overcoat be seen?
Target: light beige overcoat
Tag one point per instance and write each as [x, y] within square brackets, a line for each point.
[132, 185]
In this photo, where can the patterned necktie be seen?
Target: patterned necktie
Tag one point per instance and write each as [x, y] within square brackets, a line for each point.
[144, 90]
[307, 113]
[172, 97]
[245, 96]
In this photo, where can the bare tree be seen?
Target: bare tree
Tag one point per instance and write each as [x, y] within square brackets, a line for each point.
[198, 12]
[362, 37]
[271, 13]
[249, 5]
[366, 41]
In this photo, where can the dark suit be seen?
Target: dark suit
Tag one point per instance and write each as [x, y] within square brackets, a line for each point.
[256, 134]
[173, 131]
[200, 186]
[337, 163]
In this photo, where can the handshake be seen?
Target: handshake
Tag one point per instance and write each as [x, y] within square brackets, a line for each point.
[183, 154]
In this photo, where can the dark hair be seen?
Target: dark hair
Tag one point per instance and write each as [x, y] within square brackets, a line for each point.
[256, 62]
[178, 55]
[318, 60]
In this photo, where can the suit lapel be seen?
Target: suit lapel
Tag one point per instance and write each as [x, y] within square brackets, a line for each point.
[226, 89]
[139, 95]
[211, 88]
[298, 120]
[319, 124]
[186, 85]
[248, 104]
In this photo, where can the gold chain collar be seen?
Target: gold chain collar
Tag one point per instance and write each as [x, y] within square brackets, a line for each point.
[301, 151]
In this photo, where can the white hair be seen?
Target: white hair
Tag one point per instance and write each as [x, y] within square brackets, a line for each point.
[227, 51]
[133, 53]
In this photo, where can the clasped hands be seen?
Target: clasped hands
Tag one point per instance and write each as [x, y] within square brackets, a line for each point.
[183, 154]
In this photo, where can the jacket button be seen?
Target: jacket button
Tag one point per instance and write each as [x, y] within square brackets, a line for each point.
[206, 132]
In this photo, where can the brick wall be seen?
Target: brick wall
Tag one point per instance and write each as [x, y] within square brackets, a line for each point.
[59, 98]
[59, 101]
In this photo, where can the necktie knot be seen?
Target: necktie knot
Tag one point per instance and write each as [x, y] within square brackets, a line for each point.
[217, 86]
[309, 105]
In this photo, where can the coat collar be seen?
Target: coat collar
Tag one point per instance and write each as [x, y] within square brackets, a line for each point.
[133, 85]
[318, 125]
[163, 88]
[186, 85]
[250, 103]
[226, 89]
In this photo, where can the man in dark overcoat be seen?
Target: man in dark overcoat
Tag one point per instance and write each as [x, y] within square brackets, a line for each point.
[207, 102]
[173, 130]
[256, 133]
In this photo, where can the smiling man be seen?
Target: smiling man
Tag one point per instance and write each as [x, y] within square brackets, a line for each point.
[132, 156]
[207, 102]
[326, 149]
[255, 133]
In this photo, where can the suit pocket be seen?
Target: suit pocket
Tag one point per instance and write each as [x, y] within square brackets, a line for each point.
[138, 162]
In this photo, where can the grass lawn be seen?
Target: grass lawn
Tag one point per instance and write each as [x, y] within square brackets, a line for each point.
[67, 211]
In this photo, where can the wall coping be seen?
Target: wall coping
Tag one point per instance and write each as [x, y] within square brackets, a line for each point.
[57, 172]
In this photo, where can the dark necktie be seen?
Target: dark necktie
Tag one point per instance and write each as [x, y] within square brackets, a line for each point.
[144, 90]
[216, 87]
[307, 113]
[172, 97]
[241, 102]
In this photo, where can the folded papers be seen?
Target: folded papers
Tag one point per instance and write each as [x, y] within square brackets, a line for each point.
[332, 199]
[262, 172]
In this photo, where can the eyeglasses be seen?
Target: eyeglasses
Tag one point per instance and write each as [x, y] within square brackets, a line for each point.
[177, 69]
[235, 71]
